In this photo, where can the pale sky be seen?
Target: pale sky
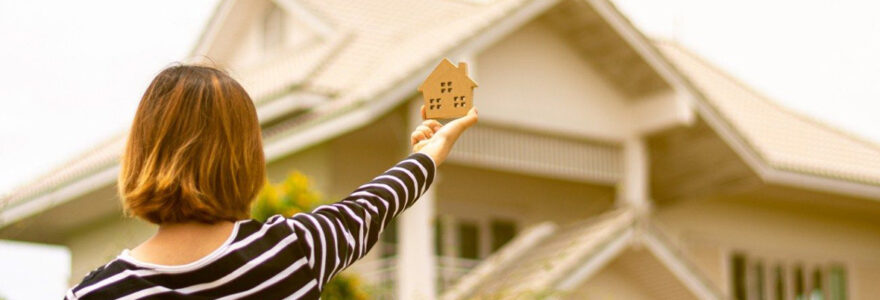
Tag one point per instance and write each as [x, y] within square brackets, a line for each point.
[71, 75]
[73, 71]
[31, 271]
[818, 57]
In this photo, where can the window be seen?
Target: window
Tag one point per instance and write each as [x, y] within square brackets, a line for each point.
[468, 240]
[472, 238]
[438, 236]
[502, 232]
[738, 268]
[837, 283]
[388, 240]
[273, 27]
[758, 278]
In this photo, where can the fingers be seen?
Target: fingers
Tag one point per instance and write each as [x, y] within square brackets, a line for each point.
[417, 136]
[433, 124]
[425, 130]
[424, 113]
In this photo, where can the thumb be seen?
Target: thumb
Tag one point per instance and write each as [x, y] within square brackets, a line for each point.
[468, 120]
[457, 126]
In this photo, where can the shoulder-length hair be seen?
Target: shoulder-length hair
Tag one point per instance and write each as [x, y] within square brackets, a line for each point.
[194, 152]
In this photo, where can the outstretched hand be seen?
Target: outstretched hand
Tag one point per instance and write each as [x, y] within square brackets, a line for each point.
[435, 139]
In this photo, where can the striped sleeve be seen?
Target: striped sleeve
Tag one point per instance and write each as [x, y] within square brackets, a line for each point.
[336, 235]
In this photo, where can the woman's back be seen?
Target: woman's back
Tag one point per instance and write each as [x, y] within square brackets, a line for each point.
[281, 258]
[242, 267]
[195, 156]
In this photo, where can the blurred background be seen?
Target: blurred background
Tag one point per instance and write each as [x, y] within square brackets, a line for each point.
[628, 148]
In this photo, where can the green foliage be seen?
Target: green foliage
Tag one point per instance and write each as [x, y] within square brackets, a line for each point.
[294, 195]
[344, 286]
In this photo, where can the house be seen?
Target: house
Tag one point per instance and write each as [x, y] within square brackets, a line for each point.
[604, 163]
[449, 86]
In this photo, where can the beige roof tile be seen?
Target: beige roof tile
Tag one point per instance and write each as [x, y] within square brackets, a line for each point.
[377, 43]
[783, 138]
[392, 39]
[535, 272]
[538, 271]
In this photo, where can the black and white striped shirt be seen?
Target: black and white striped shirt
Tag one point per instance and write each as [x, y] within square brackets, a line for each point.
[283, 258]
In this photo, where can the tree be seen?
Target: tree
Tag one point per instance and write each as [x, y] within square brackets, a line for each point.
[294, 195]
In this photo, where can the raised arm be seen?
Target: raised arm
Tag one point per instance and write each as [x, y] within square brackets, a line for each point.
[336, 235]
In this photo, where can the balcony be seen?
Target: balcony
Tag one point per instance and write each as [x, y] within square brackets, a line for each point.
[378, 275]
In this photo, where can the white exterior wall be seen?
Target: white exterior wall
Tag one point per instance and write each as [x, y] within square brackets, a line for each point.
[533, 78]
[611, 283]
[709, 230]
[97, 244]
[313, 162]
[477, 194]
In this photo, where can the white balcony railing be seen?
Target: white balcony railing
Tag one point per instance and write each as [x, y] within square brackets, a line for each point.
[379, 274]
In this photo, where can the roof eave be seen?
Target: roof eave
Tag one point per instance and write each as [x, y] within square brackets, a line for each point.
[25, 209]
[642, 234]
[212, 28]
[747, 152]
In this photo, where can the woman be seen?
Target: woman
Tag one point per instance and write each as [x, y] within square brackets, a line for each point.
[193, 163]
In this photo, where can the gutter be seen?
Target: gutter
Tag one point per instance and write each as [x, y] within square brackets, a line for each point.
[24, 209]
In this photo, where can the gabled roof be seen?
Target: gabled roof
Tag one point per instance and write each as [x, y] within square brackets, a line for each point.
[563, 258]
[782, 138]
[282, 70]
[363, 77]
[781, 146]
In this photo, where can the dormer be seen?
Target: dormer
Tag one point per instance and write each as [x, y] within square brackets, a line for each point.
[246, 34]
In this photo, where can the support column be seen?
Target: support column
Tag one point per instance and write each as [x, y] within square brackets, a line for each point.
[633, 190]
[416, 275]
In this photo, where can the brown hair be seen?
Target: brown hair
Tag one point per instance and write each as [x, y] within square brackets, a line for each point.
[194, 152]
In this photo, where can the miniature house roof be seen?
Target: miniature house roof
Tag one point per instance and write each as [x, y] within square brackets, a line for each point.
[445, 69]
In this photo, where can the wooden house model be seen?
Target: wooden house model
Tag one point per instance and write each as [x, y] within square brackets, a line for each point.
[448, 91]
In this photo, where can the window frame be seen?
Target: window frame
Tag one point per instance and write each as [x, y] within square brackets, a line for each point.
[789, 264]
